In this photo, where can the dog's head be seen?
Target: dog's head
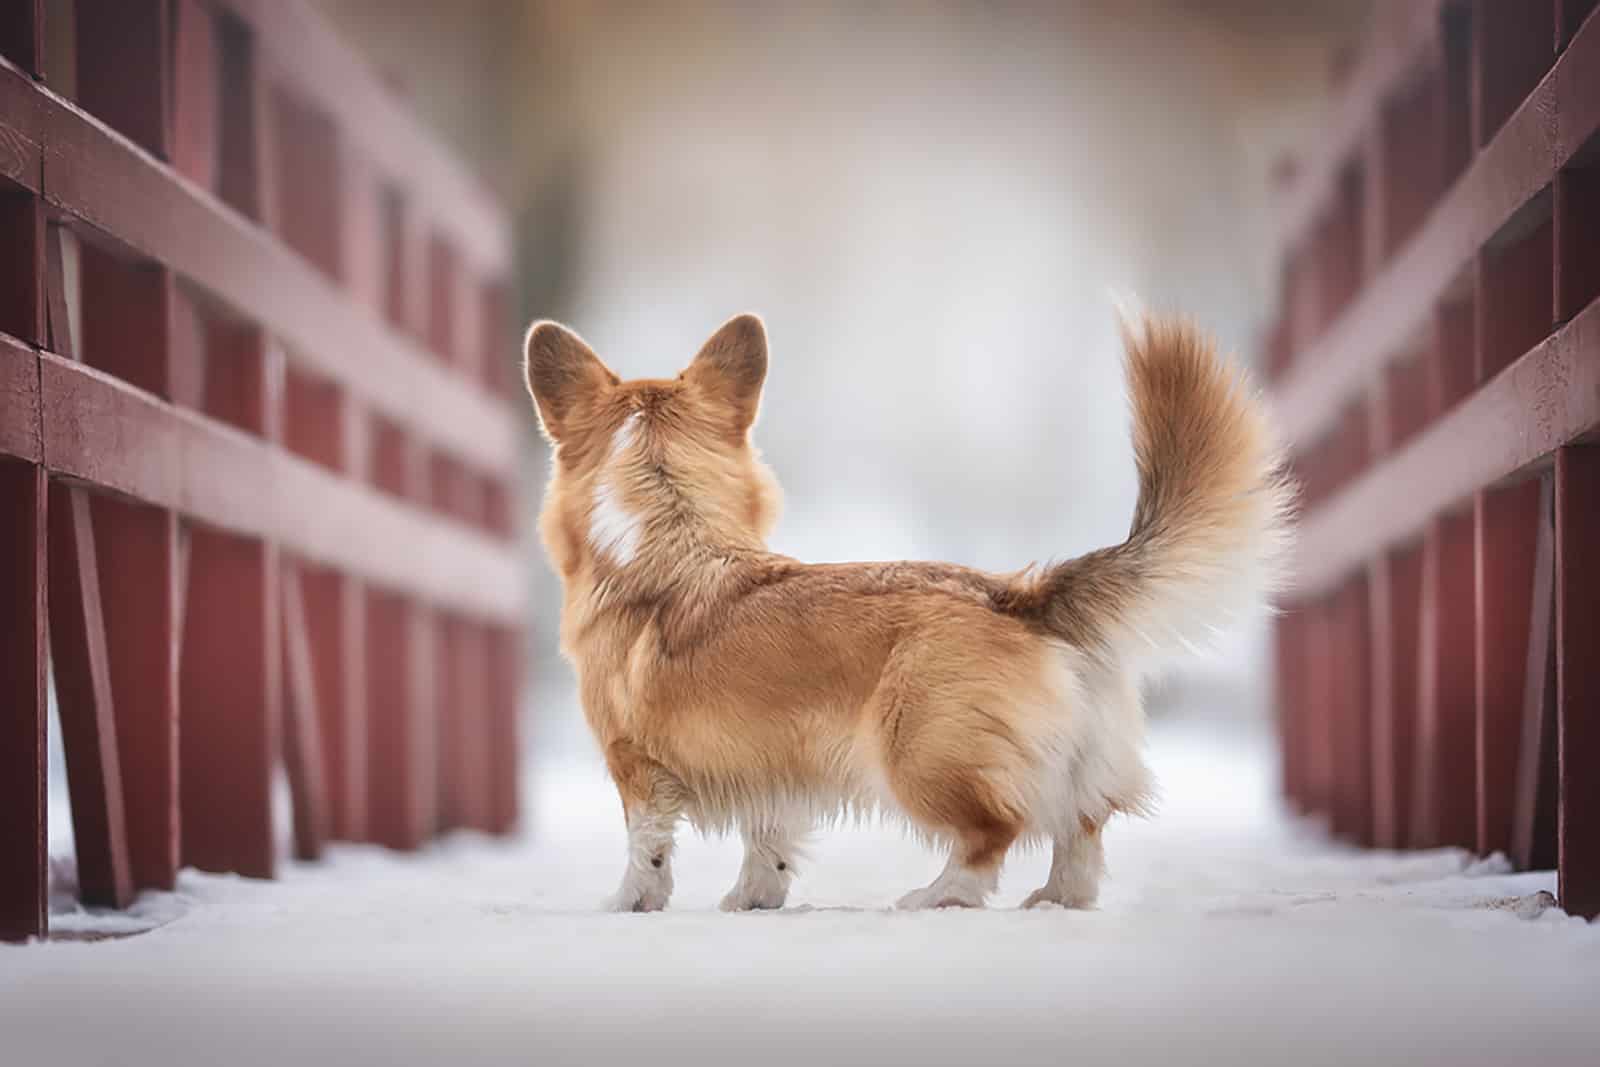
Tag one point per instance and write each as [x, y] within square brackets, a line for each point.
[655, 462]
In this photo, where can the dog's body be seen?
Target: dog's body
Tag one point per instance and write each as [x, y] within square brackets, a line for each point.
[742, 689]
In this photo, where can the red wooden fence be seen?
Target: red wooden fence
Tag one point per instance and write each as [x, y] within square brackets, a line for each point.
[257, 449]
[1437, 367]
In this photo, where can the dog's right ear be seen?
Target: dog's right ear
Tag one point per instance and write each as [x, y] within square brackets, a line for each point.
[565, 377]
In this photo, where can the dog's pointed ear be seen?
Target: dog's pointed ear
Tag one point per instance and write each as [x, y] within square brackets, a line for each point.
[731, 367]
[564, 375]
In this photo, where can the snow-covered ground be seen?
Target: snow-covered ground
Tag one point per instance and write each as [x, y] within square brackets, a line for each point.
[1226, 932]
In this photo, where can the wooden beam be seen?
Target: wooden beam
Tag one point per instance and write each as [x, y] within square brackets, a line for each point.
[110, 190]
[505, 753]
[106, 433]
[24, 862]
[1577, 568]
[1506, 431]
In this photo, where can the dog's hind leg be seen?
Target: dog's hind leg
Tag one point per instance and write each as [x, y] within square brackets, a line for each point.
[653, 800]
[1076, 865]
[767, 871]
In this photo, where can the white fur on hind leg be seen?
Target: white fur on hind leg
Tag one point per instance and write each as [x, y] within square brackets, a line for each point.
[1076, 864]
[765, 875]
[956, 887]
[647, 880]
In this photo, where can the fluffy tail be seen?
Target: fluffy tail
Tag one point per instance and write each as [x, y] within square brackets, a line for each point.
[1212, 529]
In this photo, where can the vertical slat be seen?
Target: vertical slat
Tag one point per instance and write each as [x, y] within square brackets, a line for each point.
[231, 667]
[1443, 809]
[22, 273]
[83, 693]
[1533, 843]
[1506, 527]
[125, 68]
[302, 733]
[1513, 45]
[1353, 810]
[195, 105]
[402, 786]
[231, 699]
[505, 675]
[1577, 585]
[23, 859]
[1395, 759]
[1577, 239]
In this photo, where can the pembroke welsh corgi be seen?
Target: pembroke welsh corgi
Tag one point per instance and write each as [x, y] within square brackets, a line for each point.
[740, 689]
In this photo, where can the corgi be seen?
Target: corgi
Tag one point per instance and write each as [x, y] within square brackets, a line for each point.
[742, 690]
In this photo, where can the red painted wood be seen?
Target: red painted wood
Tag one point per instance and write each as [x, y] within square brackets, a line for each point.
[19, 401]
[1396, 603]
[1352, 708]
[302, 728]
[1443, 807]
[22, 295]
[98, 179]
[466, 795]
[1289, 696]
[309, 55]
[125, 68]
[505, 734]
[335, 625]
[231, 694]
[24, 862]
[402, 760]
[196, 103]
[306, 174]
[1501, 432]
[1513, 46]
[1577, 585]
[443, 281]
[1506, 529]
[1515, 309]
[137, 552]
[83, 693]
[1577, 238]
[238, 149]
[22, 35]
[1521, 160]
[1533, 831]
[107, 434]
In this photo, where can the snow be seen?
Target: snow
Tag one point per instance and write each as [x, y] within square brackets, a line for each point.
[1226, 930]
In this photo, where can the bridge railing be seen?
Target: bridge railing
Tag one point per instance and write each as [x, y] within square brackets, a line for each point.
[258, 444]
[1437, 368]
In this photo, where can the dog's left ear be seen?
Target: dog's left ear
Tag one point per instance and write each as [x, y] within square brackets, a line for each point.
[732, 365]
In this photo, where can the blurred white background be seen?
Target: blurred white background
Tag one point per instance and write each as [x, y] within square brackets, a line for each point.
[933, 207]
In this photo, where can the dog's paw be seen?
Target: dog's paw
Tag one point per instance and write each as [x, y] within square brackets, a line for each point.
[637, 898]
[743, 898]
[1055, 898]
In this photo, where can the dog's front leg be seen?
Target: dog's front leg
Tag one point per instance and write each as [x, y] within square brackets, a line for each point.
[767, 870]
[652, 802]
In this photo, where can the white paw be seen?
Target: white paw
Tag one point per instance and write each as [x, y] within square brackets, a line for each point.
[938, 896]
[748, 898]
[636, 895]
[1049, 897]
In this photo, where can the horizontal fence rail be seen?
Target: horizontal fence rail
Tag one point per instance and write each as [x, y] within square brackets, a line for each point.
[1436, 367]
[259, 436]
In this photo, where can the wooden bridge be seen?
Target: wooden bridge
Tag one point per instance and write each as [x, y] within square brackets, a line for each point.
[1437, 365]
[258, 440]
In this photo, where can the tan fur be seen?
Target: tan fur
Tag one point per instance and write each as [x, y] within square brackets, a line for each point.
[736, 687]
